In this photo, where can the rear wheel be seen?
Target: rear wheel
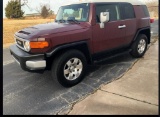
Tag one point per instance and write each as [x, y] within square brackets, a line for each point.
[139, 47]
[69, 68]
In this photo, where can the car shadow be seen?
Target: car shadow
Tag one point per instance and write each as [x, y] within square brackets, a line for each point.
[122, 58]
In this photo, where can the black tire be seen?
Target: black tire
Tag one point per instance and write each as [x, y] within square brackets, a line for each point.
[135, 51]
[59, 64]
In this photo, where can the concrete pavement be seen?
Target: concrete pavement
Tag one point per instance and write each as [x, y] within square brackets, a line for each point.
[135, 93]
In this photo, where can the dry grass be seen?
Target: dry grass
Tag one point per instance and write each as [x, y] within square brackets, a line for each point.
[12, 26]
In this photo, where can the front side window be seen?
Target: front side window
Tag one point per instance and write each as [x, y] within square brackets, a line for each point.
[113, 9]
[79, 12]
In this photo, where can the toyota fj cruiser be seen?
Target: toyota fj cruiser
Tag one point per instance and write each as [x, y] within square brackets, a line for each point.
[82, 33]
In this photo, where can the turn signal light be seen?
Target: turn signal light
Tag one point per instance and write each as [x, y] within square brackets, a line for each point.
[42, 44]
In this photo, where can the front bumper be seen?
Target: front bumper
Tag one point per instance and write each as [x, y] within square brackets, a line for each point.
[28, 62]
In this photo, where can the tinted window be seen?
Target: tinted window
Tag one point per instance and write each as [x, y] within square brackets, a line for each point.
[145, 10]
[128, 11]
[113, 10]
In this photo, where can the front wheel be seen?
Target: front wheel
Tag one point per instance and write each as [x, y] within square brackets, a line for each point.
[139, 47]
[69, 68]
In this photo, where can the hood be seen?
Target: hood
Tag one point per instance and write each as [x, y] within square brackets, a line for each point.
[47, 29]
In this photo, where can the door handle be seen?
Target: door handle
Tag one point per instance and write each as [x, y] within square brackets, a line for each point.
[123, 26]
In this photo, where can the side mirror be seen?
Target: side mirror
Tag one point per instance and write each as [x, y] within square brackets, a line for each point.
[104, 17]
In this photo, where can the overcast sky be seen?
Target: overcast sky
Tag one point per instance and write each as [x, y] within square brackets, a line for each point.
[54, 5]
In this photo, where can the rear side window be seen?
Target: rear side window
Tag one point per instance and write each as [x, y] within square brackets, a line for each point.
[145, 10]
[127, 11]
[113, 9]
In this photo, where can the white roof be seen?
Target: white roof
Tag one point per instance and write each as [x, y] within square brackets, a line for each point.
[133, 2]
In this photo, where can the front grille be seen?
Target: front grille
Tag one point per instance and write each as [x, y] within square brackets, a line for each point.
[19, 42]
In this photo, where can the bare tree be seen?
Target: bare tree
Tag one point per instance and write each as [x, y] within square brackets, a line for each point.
[152, 7]
[45, 11]
[39, 9]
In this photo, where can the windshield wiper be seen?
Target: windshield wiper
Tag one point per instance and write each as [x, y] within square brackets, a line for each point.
[76, 21]
[61, 20]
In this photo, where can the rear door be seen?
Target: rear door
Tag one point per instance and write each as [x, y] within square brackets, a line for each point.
[128, 15]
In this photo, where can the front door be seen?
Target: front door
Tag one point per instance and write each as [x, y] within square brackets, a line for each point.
[113, 34]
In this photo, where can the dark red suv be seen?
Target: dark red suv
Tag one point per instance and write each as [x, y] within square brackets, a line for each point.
[82, 33]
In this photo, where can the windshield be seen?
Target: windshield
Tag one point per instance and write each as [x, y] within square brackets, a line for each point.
[78, 12]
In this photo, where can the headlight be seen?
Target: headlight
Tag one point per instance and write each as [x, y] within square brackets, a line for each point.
[27, 46]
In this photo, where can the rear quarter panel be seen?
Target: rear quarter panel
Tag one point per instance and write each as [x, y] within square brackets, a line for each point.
[142, 20]
[131, 28]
